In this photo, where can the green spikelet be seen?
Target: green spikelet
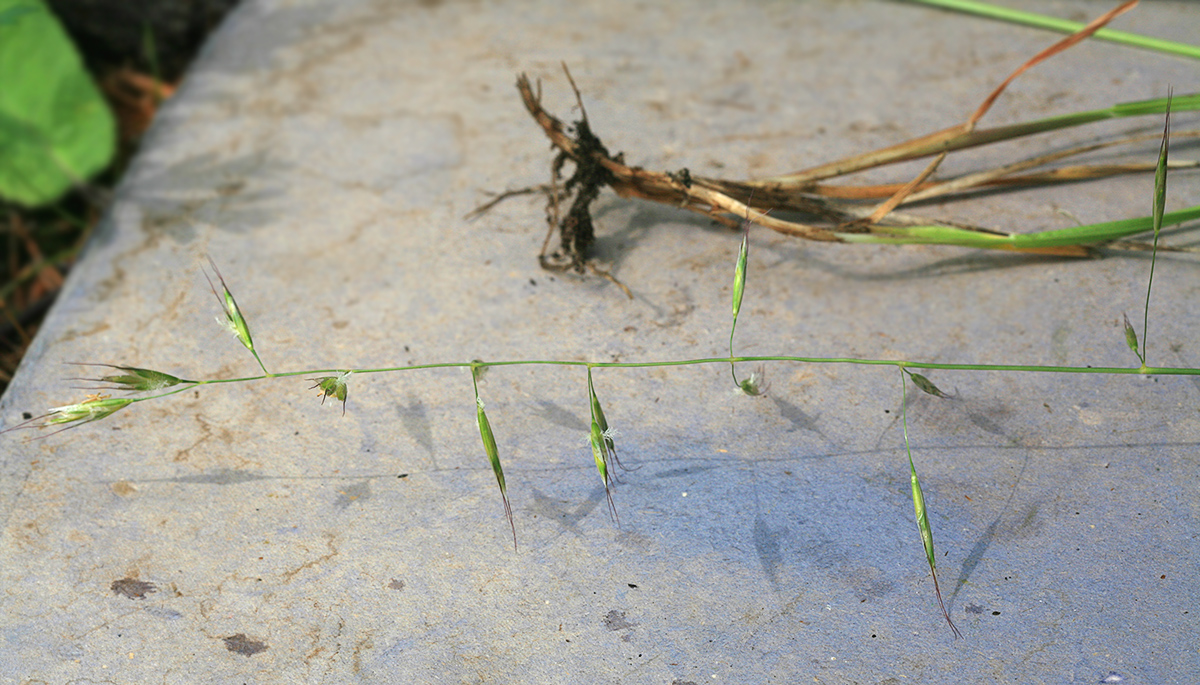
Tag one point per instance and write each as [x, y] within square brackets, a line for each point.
[489, 447]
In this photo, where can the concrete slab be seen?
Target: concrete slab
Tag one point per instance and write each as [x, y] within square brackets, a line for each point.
[324, 153]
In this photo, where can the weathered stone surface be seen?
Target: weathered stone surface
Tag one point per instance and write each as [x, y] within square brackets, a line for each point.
[325, 153]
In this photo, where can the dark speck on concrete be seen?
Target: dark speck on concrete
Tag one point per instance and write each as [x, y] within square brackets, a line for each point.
[133, 588]
[243, 645]
[615, 620]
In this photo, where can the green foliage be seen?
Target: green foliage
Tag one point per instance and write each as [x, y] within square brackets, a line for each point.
[55, 128]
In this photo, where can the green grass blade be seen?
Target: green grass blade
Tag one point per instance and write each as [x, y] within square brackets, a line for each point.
[1137, 108]
[1089, 234]
[1041, 21]
[954, 138]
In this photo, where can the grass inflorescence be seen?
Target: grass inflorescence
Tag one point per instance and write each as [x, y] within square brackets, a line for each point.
[141, 385]
[333, 383]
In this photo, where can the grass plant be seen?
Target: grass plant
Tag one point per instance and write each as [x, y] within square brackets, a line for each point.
[839, 210]
[142, 385]
[155, 385]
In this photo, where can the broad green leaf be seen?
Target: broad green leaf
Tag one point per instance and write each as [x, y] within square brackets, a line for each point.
[55, 128]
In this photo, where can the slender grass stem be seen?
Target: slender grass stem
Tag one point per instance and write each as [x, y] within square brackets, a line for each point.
[30, 271]
[899, 363]
[732, 367]
[985, 9]
[954, 138]
[185, 385]
[260, 362]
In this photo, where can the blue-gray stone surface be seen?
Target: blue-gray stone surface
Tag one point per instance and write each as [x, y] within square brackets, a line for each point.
[325, 154]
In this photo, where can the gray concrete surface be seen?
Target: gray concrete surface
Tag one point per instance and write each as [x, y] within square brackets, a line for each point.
[324, 153]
